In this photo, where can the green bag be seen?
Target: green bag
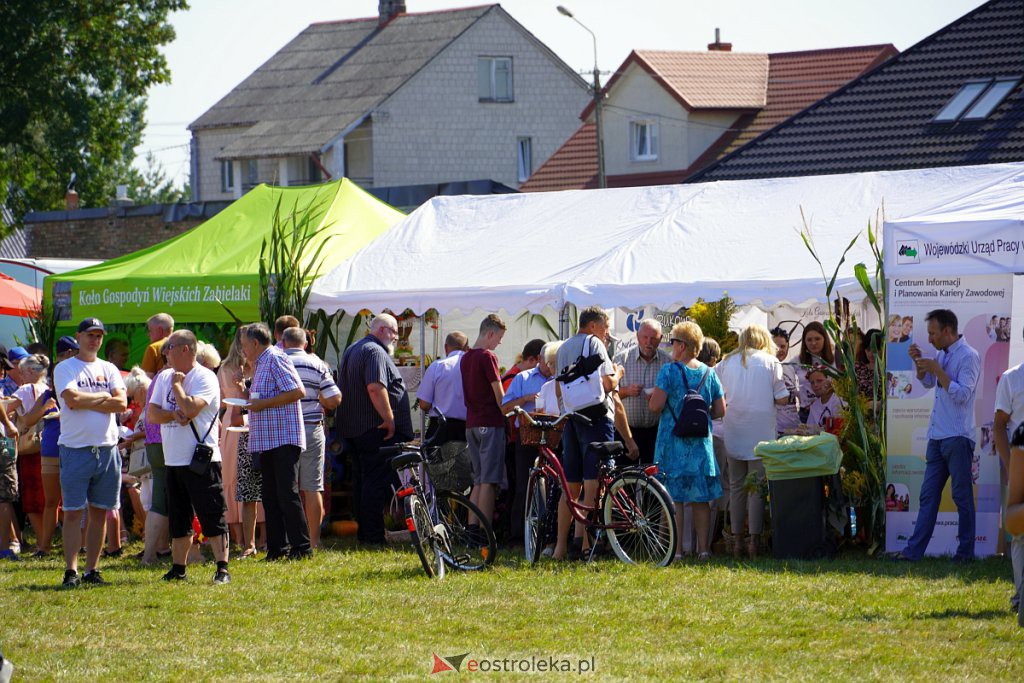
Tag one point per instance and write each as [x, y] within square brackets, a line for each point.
[796, 457]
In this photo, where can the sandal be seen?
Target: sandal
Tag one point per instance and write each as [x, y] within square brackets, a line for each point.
[704, 557]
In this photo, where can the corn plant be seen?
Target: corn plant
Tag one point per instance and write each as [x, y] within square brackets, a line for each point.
[863, 435]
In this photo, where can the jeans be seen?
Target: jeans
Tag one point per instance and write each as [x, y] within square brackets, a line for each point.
[373, 482]
[945, 459]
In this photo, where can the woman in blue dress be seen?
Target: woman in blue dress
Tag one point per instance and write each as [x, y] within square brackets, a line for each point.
[687, 466]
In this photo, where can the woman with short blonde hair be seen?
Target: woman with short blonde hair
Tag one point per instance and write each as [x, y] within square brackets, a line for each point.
[690, 334]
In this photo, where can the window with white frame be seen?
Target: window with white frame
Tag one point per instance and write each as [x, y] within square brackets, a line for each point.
[643, 140]
[252, 172]
[494, 79]
[227, 175]
[524, 158]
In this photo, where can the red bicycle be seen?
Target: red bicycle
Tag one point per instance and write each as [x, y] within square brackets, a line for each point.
[633, 508]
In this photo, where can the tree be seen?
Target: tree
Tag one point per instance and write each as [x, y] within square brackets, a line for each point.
[152, 186]
[73, 80]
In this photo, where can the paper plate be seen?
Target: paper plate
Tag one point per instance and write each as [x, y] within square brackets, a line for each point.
[240, 402]
[239, 430]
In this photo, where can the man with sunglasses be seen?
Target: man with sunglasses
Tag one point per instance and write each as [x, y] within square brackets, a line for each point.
[375, 413]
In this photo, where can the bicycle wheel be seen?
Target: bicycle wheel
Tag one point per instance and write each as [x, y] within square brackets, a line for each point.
[643, 504]
[424, 538]
[471, 549]
[535, 519]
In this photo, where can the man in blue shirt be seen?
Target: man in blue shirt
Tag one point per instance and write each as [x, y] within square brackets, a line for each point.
[441, 389]
[954, 373]
[522, 393]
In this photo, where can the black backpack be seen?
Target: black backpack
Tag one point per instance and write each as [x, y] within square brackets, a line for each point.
[694, 417]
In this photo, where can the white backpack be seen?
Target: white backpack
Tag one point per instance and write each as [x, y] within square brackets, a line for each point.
[581, 383]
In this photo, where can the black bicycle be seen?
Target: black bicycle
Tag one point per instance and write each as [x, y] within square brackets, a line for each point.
[445, 527]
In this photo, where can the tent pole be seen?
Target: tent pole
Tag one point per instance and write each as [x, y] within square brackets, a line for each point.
[423, 369]
[563, 322]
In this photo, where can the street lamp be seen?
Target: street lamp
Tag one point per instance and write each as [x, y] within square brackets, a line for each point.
[597, 101]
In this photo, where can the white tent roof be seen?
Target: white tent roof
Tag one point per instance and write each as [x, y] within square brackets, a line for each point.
[631, 247]
[987, 225]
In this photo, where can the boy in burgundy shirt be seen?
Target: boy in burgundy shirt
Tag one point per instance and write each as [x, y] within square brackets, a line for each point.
[485, 424]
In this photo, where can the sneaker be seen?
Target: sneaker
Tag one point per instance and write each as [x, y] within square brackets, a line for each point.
[71, 579]
[9, 555]
[94, 578]
[6, 670]
[172, 575]
[221, 577]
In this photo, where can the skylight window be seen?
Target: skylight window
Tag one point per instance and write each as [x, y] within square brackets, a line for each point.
[976, 100]
[991, 99]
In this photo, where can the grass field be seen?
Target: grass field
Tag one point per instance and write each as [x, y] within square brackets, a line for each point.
[352, 613]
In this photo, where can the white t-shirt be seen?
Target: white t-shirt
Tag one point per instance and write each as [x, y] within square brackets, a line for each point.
[1010, 396]
[29, 395]
[819, 411]
[82, 428]
[179, 441]
[547, 399]
[750, 394]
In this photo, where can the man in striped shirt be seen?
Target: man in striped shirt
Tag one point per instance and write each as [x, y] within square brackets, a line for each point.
[954, 373]
[321, 393]
[276, 438]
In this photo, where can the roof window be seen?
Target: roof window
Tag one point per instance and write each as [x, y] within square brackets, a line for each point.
[976, 100]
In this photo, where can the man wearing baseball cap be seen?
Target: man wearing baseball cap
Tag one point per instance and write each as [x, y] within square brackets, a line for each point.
[9, 360]
[90, 393]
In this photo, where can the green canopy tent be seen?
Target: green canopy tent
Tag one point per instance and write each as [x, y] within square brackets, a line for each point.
[198, 275]
[190, 275]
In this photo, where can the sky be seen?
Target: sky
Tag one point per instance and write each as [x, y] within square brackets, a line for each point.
[220, 42]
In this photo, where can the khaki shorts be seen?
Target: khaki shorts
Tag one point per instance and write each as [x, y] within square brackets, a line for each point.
[8, 472]
[50, 465]
[311, 460]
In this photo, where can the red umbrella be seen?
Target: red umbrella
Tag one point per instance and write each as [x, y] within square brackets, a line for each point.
[18, 299]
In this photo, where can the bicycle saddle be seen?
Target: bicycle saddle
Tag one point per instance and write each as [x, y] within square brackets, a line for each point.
[608, 449]
[400, 462]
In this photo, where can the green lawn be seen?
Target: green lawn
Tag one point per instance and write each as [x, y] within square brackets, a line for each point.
[350, 613]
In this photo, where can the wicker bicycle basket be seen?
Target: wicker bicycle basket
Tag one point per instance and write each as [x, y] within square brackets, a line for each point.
[450, 468]
[530, 435]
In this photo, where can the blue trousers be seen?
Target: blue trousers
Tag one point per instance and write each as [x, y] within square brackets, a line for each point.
[945, 459]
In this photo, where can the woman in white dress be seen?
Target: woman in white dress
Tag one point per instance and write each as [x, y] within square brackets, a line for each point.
[753, 382]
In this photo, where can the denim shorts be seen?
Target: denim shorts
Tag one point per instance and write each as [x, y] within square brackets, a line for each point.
[90, 476]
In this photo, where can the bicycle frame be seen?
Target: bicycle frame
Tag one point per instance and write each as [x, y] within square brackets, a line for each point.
[548, 464]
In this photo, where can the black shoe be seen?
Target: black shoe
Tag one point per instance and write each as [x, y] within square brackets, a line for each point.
[575, 552]
[274, 557]
[221, 577]
[172, 575]
[94, 578]
[39, 554]
[300, 555]
[113, 553]
[71, 579]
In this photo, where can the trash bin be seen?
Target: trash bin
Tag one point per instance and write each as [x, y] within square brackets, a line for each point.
[798, 469]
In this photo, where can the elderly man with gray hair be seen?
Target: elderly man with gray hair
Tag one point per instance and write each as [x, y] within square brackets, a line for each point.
[321, 393]
[642, 363]
[376, 414]
[159, 328]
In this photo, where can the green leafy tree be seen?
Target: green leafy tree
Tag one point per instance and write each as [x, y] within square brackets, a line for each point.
[73, 80]
[152, 186]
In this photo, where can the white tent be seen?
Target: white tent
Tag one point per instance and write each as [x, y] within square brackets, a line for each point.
[631, 247]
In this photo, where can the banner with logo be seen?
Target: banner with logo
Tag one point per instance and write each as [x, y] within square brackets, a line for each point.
[982, 304]
[970, 249]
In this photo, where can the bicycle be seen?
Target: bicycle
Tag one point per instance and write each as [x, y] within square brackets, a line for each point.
[441, 533]
[636, 512]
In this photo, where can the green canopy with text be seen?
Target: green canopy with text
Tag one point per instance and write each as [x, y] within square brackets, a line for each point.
[195, 275]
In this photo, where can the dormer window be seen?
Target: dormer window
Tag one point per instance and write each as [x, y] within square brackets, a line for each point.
[976, 100]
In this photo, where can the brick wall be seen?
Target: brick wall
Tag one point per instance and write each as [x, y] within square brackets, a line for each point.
[105, 237]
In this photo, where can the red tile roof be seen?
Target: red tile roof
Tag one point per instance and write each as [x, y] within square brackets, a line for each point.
[795, 80]
[572, 167]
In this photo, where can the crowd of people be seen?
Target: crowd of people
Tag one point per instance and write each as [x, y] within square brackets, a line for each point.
[232, 452]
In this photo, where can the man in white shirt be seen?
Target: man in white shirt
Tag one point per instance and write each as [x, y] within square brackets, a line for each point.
[90, 393]
[827, 405]
[184, 403]
[1009, 415]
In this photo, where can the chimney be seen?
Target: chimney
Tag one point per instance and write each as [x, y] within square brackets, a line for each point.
[71, 201]
[717, 46]
[121, 198]
[389, 9]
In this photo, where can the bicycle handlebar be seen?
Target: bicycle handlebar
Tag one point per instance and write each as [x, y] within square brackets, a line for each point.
[576, 417]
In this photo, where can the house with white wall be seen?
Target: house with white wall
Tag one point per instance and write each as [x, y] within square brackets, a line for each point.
[398, 99]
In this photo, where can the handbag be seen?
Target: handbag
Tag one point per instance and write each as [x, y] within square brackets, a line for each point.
[29, 438]
[202, 456]
[138, 459]
[582, 385]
